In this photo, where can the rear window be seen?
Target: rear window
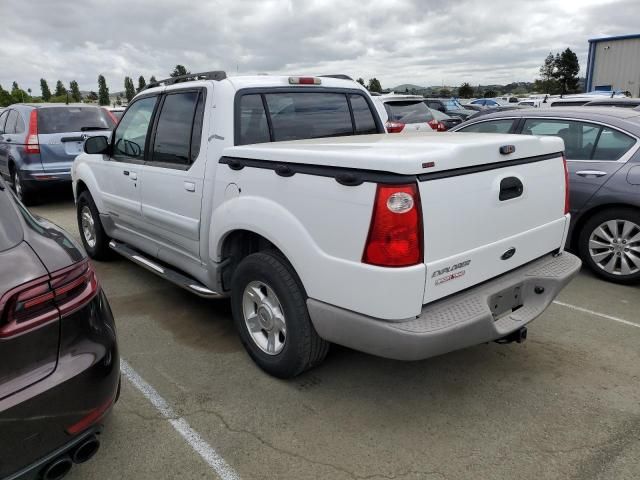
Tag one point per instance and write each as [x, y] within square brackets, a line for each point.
[10, 226]
[302, 115]
[72, 119]
[410, 111]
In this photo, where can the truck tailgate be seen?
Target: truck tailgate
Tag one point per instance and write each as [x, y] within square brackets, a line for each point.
[483, 221]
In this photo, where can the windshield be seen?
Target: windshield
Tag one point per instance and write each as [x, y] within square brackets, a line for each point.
[454, 105]
[410, 111]
[72, 119]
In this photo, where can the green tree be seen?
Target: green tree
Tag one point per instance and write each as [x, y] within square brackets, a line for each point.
[103, 91]
[489, 94]
[93, 96]
[567, 68]
[445, 92]
[5, 98]
[141, 83]
[75, 91]
[129, 89]
[179, 71]
[548, 83]
[153, 79]
[374, 85]
[360, 81]
[19, 95]
[44, 87]
[60, 90]
[465, 90]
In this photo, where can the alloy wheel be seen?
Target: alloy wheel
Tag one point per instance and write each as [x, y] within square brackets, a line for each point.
[614, 246]
[264, 317]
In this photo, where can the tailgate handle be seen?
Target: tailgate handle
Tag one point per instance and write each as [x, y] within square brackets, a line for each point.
[510, 187]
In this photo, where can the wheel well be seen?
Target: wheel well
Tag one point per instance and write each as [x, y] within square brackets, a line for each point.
[584, 218]
[240, 244]
[81, 187]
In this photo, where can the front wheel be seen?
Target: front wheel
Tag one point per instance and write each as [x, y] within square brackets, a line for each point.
[269, 309]
[94, 238]
[609, 243]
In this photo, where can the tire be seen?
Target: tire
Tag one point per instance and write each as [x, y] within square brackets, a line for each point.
[598, 247]
[22, 192]
[267, 289]
[94, 238]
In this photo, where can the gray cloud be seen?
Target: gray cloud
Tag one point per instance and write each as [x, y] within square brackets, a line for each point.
[418, 41]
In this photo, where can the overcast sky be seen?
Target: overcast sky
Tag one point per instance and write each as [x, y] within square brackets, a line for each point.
[425, 42]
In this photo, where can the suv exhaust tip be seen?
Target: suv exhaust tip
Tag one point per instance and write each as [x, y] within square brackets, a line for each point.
[519, 336]
[58, 468]
[86, 450]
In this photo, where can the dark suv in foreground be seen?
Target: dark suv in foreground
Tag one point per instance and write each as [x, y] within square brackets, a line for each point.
[38, 142]
[602, 147]
[59, 364]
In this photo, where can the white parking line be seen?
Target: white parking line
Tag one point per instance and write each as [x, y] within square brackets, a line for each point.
[597, 314]
[193, 438]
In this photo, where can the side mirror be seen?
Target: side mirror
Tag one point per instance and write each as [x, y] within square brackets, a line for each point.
[96, 145]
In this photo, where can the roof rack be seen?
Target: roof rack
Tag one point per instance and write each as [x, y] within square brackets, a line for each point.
[339, 76]
[190, 77]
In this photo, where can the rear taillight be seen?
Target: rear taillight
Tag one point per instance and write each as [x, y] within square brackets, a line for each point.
[437, 126]
[33, 144]
[394, 127]
[395, 234]
[566, 185]
[112, 116]
[47, 298]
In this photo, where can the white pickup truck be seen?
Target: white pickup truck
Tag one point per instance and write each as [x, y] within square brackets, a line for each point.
[403, 246]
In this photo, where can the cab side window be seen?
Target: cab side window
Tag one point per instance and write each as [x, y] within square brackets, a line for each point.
[130, 137]
[172, 143]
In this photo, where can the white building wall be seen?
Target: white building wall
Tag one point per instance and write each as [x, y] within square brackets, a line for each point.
[617, 63]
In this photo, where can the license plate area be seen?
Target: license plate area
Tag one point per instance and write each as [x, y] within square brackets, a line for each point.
[506, 302]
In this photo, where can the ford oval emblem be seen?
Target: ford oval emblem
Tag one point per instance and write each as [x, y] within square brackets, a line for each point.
[508, 254]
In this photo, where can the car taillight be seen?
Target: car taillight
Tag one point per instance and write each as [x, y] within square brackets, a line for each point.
[33, 144]
[394, 127]
[438, 126]
[112, 116]
[566, 185]
[47, 298]
[395, 234]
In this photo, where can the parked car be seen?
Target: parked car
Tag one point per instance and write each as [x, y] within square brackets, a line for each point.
[59, 364]
[405, 113]
[39, 141]
[488, 102]
[490, 110]
[432, 241]
[116, 112]
[450, 106]
[442, 122]
[471, 106]
[601, 146]
[614, 102]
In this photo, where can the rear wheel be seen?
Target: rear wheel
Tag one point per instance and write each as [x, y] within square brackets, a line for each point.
[609, 244]
[270, 314]
[20, 189]
[94, 238]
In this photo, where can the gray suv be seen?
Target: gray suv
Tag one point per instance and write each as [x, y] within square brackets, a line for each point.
[38, 143]
[601, 146]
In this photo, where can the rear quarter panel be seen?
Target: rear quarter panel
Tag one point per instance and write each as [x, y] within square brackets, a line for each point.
[321, 227]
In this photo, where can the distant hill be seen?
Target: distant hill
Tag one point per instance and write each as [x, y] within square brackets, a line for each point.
[407, 86]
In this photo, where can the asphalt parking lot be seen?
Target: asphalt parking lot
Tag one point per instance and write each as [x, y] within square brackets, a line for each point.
[566, 404]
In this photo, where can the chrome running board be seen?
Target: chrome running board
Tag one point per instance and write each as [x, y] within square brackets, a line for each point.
[178, 278]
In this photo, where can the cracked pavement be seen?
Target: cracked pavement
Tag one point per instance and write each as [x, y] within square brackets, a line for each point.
[565, 404]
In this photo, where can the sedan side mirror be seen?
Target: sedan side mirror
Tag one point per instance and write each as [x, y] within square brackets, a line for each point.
[96, 145]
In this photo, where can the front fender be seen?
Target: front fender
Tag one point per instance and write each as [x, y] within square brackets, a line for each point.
[81, 172]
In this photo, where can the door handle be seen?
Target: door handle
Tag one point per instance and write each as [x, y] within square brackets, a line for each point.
[510, 187]
[190, 186]
[591, 173]
[8, 140]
